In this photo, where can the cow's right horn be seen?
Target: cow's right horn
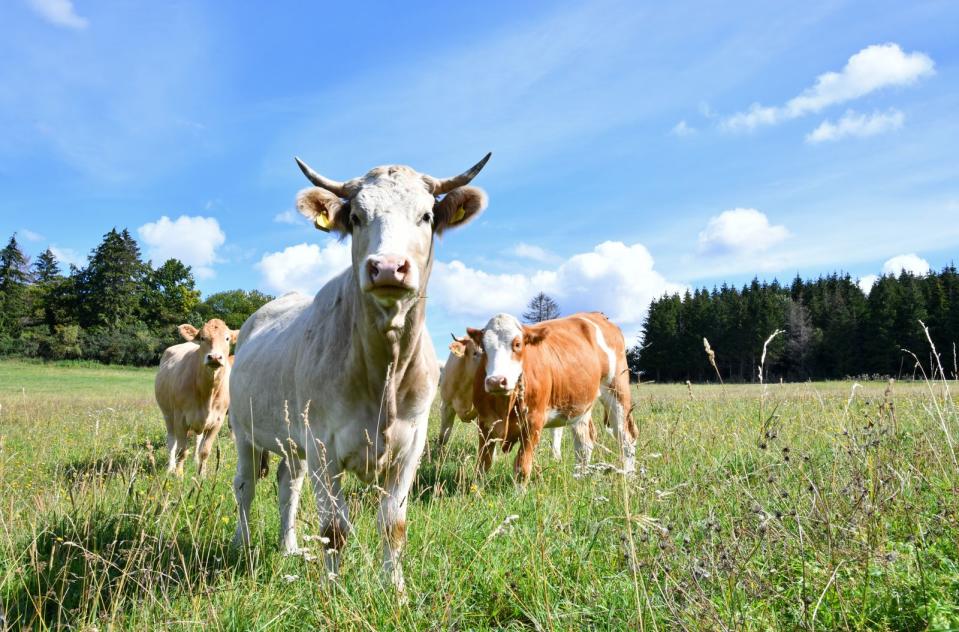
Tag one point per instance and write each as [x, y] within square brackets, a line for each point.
[342, 189]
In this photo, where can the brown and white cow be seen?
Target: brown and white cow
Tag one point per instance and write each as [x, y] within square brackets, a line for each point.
[562, 368]
[353, 366]
[192, 388]
[456, 393]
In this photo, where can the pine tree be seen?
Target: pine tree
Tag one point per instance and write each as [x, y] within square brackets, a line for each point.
[110, 288]
[14, 277]
[541, 307]
[48, 290]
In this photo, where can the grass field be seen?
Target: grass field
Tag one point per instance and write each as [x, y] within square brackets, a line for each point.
[813, 506]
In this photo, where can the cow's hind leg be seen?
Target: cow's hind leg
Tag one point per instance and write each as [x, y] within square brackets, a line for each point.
[244, 487]
[289, 480]
[583, 439]
[558, 443]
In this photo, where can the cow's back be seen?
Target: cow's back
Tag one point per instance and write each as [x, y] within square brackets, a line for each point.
[263, 375]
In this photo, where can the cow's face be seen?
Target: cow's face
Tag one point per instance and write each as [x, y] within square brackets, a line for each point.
[502, 340]
[468, 353]
[392, 214]
[214, 339]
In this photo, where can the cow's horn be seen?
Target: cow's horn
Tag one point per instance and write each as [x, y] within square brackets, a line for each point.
[447, 185]
[341, 189]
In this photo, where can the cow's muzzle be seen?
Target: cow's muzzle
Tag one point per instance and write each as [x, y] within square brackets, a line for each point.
[214, 360]
[389, 274]
[497, 385]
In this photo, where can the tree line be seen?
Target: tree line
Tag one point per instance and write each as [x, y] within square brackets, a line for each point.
[117, 309]
[830, 328]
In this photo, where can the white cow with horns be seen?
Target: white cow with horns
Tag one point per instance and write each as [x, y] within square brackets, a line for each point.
[344, 381]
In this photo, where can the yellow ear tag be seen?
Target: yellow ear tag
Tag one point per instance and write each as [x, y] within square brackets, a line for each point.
[458, 215]
[323, 222]
[457, 349]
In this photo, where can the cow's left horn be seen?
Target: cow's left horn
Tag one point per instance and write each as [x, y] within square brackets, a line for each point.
[341, 189]
[445, 186]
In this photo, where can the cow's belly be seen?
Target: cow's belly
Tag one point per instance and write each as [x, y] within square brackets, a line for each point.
[557, 418]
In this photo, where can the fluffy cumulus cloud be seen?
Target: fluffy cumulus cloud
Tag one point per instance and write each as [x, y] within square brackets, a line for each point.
[304, 267]
[740, 231]
[866, 283]
[614, 278]
[911, 263]
[192, 240]
[873, 68]
[58, 12]
[856, 125]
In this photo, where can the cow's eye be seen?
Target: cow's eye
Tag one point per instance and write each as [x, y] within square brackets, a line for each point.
[427, 217]
[355, 219]
[517, 346]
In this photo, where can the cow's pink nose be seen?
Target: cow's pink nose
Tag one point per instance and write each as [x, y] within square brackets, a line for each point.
[388, 269]
[214, 358]
[495, 383]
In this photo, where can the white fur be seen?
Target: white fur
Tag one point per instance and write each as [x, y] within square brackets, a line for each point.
[498, 336]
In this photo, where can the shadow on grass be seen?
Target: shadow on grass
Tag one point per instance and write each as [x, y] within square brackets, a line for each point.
[80, 568]
[141, 460]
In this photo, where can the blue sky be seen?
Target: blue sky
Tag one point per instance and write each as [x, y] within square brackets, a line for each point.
[637, 148]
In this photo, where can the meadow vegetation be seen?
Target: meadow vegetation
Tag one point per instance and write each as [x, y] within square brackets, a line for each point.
[806, 506]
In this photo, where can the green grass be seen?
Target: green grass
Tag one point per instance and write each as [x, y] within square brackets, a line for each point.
[801, 509]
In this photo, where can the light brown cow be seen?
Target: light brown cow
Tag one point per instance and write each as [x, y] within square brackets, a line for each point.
[456, 387]
[192, 388]
[561, 368]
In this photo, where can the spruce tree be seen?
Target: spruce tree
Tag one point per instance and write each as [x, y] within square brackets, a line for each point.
[110, 288]
[541, 307]
[14, 277]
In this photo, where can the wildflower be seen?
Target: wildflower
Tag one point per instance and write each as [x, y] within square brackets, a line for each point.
[505, 526]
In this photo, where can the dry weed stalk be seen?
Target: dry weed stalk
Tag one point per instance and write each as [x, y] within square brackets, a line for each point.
[712, 360]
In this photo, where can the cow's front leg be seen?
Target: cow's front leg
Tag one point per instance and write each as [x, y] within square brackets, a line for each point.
[558, 443]
[335, 526]
[178, 447]
[206, 446]
[529, 439]
[391, 518]
[490, 436]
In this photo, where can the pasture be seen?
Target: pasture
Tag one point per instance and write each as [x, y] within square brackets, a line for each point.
[812, 506]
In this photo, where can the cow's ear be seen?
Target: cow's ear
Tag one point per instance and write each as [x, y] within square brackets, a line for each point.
[458, 207]
[326, 210]
[234, 334]
[533, 336]
[188, 332]
[457, 348]
[476, 335]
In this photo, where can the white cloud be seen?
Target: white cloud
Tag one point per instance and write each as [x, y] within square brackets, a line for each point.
[866, 283]
[59, 12]
[288, 217]
[740, 230]
[192, 240]
[855, 124]
[68, 256]
[911, 263]
[534, 253]
[682, 129]
[873, 68]
[304, 267]
[29, 235]
[614, 278]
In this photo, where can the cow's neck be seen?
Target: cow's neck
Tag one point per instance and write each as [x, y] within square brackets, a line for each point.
[387, 342]
[210, 383]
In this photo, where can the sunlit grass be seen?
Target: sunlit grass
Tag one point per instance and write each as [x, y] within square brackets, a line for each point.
[828, 510]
